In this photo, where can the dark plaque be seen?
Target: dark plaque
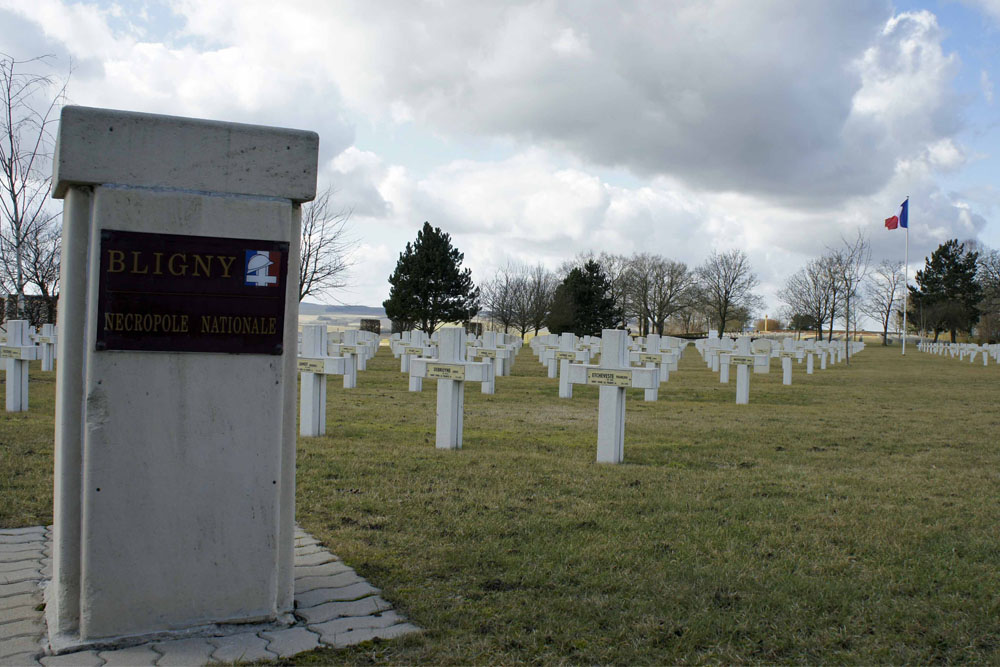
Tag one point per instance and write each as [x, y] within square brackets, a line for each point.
[172, 293]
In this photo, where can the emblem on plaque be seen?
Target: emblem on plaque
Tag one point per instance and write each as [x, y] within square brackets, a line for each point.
[261, 269]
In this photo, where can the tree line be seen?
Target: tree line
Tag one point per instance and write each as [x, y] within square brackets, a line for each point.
[956, 291]
[585, 295]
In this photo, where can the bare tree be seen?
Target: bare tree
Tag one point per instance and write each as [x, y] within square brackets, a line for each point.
[501, 298]
[30, 102]
[326, 246]
[883, 290]
[808, 293]
[539, 290]
[727, 282]
[850, 266]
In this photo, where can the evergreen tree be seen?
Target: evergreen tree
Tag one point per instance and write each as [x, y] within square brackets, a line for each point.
[582, 303]
[429, 286]
[948, 294]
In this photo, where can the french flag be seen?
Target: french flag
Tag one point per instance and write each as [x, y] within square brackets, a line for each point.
[901, 220]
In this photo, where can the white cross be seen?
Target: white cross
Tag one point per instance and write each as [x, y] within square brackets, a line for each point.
[655, 357]
[613, 375]
[315, 366]
[451, 371]
[18, 351]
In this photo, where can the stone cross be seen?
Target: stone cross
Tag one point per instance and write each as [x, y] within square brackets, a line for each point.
[564, 355]
[451, 370]
[314, 366]
[655, 357]
[350, 350]
[495, 356]
[18, 351]
[613, 375]
[743, 360]
[47, 345]
[786, 365]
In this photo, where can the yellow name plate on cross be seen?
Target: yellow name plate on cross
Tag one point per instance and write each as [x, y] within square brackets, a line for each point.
[413, 350]
[741, 359]
[311, 366]
[609, 378]
[649, 357]
[446, 371]
[485, 354]
[786, 354]
[44, 340]
[348, 349]
[566, 354]
[11, 353]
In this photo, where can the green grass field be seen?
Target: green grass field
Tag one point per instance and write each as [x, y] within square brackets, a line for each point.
[853, 517]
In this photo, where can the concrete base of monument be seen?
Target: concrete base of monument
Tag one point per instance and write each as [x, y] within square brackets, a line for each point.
[333, 607]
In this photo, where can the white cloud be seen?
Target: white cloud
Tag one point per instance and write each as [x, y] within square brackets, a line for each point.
[986, 84]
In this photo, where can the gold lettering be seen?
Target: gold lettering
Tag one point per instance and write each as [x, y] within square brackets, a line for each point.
[135, 263]
[109, 320]
[158, 256]
[119, 318]
[272, 323]
[129, 321]
[184, 323]
[256, 325]
[205, 263]
[226, 265]
[170, 264]
[206, 323]
[116, 261]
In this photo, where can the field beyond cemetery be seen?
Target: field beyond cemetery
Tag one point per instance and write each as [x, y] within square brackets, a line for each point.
[852, 517]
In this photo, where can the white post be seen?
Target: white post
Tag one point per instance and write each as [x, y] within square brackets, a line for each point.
[47, 343]
[742, 372]
[312, 404]
[18, 351]
[906, 272]
[351, 353]
[450, 393]
[653, 347]
[786, 367]
[565, 355]
[611, 400]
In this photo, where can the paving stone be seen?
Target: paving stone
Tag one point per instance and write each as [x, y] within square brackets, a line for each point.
[78, 659]
[368, 634]
[22, 613]
[332, 610]
[17, 576]
[292, 641]
[341, 594]
[309, 549]
[15, 556]
[134, 656]
[245, 647]
[315, 558]
[20, 588]
[184, 652]
[28, 530]
[306, 541]
[9, 647]
[24, 599]
[326, 569]
[46, 571]
[18, 546]
[29, 627]
[32, 563]
[19, 660]
[22, 538]
[329, 630]
[346, 578]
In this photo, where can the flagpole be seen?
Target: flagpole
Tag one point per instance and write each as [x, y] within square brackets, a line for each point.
[906, 274]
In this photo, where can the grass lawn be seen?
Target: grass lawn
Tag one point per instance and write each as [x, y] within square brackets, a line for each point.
[852, 517]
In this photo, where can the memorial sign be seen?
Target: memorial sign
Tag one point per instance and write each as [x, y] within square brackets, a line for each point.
[608, 378]
[174, 293]
[446, 371]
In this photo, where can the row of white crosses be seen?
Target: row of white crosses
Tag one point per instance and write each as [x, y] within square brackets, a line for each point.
[962, 350]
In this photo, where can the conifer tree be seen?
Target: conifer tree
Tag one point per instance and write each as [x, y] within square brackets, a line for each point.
[948, 295]
[429, 286]
[583, 303]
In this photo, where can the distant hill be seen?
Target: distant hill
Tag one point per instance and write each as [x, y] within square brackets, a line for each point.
[306, 308]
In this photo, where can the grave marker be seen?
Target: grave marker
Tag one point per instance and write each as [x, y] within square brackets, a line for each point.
[17, 351]
[313, 367]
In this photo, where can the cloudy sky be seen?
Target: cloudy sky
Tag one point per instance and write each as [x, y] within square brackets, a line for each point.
[532, 131]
